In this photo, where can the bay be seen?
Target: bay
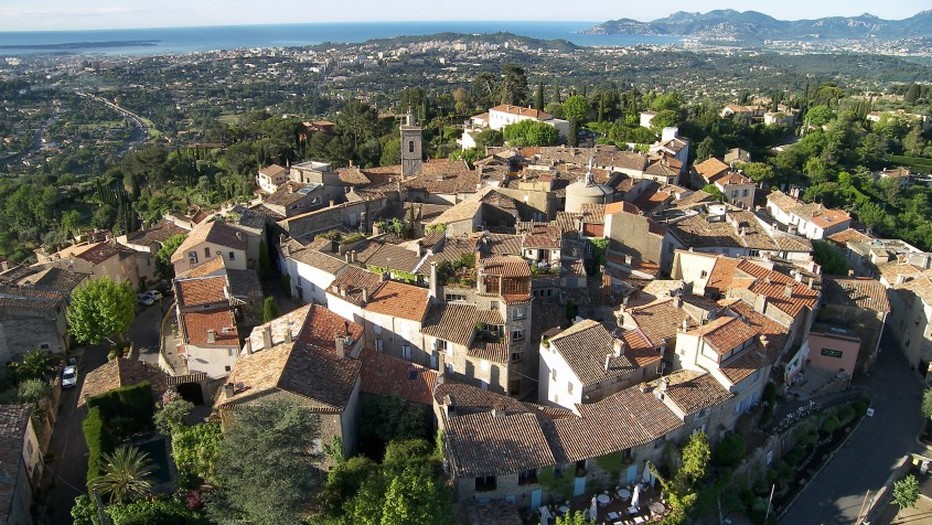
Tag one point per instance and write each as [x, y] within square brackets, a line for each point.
[180, 40]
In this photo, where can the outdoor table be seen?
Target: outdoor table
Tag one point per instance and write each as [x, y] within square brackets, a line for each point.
[624, 494]
[564, 509]
[656, 507]
[613, 515]
[603, 499]
[632, 510]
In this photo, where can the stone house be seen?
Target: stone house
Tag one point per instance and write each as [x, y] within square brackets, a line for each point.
[812, 220]
[310, 271]
[586, 363]
[20, 465]
[208, 332]
[318, 368]
[911, 320]
[146, 243]
[271, 177]
[98, 260]
[209, 240]
[859, 304]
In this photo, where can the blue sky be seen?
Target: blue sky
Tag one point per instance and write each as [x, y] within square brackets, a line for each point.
[27, 15]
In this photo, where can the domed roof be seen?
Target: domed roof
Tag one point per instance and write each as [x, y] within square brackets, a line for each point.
[582, 188]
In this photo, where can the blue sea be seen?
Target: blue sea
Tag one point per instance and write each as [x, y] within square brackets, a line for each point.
[191, 39]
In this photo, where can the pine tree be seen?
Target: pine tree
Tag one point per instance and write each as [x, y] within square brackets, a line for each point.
[539, 97]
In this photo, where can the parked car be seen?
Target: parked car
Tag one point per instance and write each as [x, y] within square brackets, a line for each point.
[155, 295]
[69, 376]
[145, 299]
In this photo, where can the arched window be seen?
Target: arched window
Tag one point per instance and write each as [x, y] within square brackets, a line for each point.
[410, 146]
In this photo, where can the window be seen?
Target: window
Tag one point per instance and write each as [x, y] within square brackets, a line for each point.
[734, 194]
[515, 357]
[232, 256]
[455, 297]
[517, 335]
[494, 305]
[569, 387]
[441, 345]
[44, 346]
[527, 477]
[192, 257]
[231, 352]
[486, 483]
[207, 252]
[518, 314]
[379, 345]
[744, 193]
[514, 386]
[828, 352]
[226, 368]
[406, 352]
[410, 146]
[553, 374]
[703, 274]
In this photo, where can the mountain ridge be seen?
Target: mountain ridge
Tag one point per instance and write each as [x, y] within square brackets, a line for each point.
[753, 26]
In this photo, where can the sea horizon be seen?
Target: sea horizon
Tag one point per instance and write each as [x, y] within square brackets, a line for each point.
[189, 39]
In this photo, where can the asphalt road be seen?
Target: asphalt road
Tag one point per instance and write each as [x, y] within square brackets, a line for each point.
[145, 331]
[69, 470]
[869, 456]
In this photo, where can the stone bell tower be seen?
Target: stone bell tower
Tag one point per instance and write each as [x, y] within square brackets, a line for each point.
[410, 147]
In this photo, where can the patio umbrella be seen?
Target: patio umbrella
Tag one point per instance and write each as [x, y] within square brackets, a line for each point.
[636, 496]
[545, 516]
[592, 509]
[646, 477]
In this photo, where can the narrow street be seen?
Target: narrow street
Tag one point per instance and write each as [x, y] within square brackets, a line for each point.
[69, 470]
[868, 458]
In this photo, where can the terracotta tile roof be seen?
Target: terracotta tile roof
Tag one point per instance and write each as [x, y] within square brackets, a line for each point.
[584, 346]
[521, 111]
[693, 199]
[321, 328]
[660, 320]
[222, 322]
[159, 233]
[743, 365]
[98, 253]
[693, 391]
[732, 273]
[399, 300]
[868, 294]
[505, 266]
[279, 328]
[54, 279]
[461, 211]
[593, 213]
[640, 351]
[201, 290]
[457, 322]
[27, 297]
[721, 276]
[467, 399]
[725, 333]
[392, 257]
[622, 207]
[777, 335]
[383, 375]
[624, 420]
[214, 232]
[312, 257]
[288, 193]
[495, 352]
[662, 169]
[215, 266]
[486, 444]
[13, 421]
[890, 272]
[351, 282]
[273, 170]
[921, 286]
[709, 169]
[353, 176]
[821, 216]
[850, 235]
[545, 236]
[120, 372]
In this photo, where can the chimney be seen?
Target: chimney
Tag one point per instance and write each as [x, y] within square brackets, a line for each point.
[644, 388]
[760, 304]
[433, 280]
[441, 367]
[347, 257]
[333, 203]
[788, 290]
[267, 337]
[677, 302]
[229, 390]
[353, 256]
[764, 342]
[289, 336]
[341, 341]
[248, 347]
[211, 336]
[618, 346]
[497, 412]
[365, 296]
[663, 384]
[608, 358]
[241, 236]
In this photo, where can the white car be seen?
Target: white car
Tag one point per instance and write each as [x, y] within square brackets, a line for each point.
[69, 377]
[145, 299]
[155, 295]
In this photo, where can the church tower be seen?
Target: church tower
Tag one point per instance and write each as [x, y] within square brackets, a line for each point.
[410, 147]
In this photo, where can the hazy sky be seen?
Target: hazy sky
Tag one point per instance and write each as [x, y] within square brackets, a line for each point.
[26, 15]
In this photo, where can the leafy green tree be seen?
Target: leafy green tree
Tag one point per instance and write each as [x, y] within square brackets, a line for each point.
[391, 152]
[161, 511]
[576, 111]
[912, 94]
[531, 133]
[664, 119]
[906, 492]
[513, 87]
[927, 403]
[489, 137]
[35, 364]
[195, 449]
[265, 260]
[696, 455]
[713, 190]
[101, 309]
[730, 450]
[269, 309]
[163, 257]
[415, 496]
[172, 415]
[830, 258]
[539, 97]
[705, 149]
[127, 475]
[757, 171]
[267, 468]
[819, 115]
[384, 419]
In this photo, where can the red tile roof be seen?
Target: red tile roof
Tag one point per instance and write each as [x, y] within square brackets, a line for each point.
[198, 291]
[383, 374]
[399, 300]
[726, 333]
[196, 325]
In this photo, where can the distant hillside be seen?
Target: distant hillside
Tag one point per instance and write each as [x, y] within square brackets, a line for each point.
[489, 38]
[751, 26]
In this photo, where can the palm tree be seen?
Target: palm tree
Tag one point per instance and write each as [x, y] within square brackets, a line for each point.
[127, 475]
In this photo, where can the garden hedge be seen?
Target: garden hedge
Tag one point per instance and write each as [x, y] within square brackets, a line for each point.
[126, 410]
[99, 441]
